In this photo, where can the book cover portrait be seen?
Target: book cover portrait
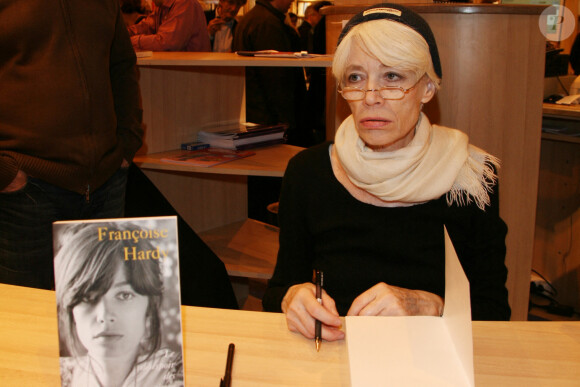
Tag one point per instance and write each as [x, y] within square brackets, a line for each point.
[118, 302]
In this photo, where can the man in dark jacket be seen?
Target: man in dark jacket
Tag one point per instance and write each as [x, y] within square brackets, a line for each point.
[306, 29]
[70, 124]
[273, 94]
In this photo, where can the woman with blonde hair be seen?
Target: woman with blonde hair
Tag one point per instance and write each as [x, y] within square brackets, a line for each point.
[369, 209]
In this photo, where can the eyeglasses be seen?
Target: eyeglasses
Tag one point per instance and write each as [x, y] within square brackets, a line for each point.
[392, 93]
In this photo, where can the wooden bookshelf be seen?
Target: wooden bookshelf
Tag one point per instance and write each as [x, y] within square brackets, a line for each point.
[268, 161]
[183, 92]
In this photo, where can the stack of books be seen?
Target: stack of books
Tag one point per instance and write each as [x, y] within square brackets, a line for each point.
[241, 136]
[207, 157]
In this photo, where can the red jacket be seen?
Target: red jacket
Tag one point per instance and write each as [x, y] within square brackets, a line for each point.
[177, 25]
[69, 95]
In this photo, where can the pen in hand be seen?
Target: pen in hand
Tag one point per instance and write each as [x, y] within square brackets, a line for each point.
[318, 280]
[227, 379]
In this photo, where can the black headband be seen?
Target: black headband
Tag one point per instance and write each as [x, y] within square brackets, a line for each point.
[400, 14]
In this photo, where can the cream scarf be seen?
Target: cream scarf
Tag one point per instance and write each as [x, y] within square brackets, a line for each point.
[437, 161]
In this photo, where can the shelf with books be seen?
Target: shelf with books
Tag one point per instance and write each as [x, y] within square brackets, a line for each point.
[243, 135]
[267, 161]
[561, 123]
[185, 92]
[228, 60]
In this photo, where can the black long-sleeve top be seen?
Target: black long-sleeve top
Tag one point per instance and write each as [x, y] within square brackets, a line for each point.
[358, 245]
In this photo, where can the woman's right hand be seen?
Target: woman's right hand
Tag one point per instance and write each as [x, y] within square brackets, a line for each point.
[302, 310]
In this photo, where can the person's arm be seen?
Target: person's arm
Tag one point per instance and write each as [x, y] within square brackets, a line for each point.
[8, 173]
[18, 183]
[479, 239]
[294, 262]
[126, 94]
[175, 31]
[290, 289]
[145, 27]
[213, 26]
[388, 300]
[302, 309]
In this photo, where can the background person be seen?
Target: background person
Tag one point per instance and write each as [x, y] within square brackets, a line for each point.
[108, 310]
[292, 19]
[306, 28]
[273, 94]
[133, 11]
[222, 23]
[369, 210]
[173, 25]
[315, 110]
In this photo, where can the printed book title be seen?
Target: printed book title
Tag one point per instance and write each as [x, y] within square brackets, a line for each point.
[104, 234]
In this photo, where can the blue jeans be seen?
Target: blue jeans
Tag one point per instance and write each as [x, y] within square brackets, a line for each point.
[26, 217]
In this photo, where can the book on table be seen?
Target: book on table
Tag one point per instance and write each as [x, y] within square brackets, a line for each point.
[207, 157]
[243, 135]
[118, 302]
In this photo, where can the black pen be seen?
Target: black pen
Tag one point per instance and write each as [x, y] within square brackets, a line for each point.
[227, 379]
[318, 280]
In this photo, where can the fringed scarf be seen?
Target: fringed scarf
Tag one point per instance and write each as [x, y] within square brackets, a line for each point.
[437, 161]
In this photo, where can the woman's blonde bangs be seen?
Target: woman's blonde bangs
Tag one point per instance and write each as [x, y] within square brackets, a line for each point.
[392, 43]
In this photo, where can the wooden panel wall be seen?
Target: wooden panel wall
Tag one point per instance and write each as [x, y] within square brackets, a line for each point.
[177, 101]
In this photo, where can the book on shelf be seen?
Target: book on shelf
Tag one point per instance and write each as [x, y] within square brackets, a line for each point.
[194, 145]
[118, 302]
[243, 135]
[207, 157]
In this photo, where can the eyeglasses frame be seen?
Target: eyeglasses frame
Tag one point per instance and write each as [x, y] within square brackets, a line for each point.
[405, 91]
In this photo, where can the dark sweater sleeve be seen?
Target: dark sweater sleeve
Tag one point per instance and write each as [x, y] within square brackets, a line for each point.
[126, 94]
[8, 170]
[294, 263]
[479, 239]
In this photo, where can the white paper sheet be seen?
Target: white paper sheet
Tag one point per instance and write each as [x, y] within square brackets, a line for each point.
[416, 351]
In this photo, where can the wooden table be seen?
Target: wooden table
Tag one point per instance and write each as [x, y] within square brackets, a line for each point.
[267, 354]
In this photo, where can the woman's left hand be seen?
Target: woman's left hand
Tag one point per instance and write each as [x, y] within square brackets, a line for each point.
[387, 300]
